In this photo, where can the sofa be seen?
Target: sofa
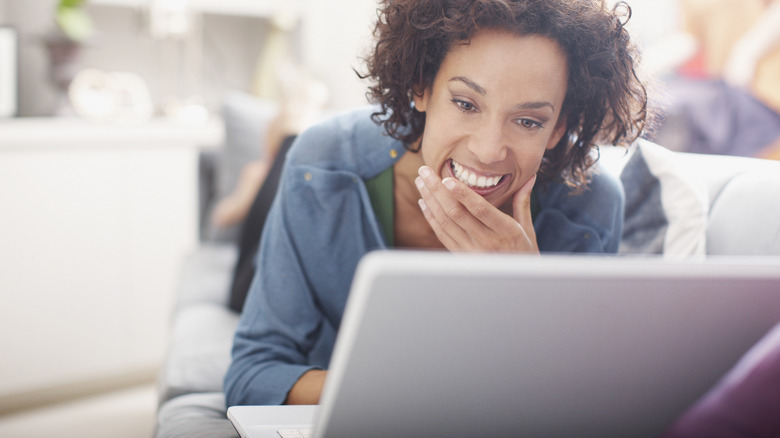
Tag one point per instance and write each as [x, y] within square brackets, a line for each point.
[677, 205]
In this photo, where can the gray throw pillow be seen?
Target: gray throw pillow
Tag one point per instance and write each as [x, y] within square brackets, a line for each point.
[666, 209]
[247, 119]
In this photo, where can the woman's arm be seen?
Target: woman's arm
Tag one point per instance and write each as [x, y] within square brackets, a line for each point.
[280, 322]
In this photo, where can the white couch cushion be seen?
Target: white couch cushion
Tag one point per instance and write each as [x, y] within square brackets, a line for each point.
[745, 217]
[199, 354]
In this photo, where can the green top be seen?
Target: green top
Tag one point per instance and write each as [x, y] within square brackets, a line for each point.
[380, 190]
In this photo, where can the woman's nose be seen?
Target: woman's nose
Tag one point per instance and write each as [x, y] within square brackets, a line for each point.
[489, 143]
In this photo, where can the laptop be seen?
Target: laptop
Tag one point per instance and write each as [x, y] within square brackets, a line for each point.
[434, 344]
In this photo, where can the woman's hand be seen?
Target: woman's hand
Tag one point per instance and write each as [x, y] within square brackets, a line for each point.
[465, 221]
[307, 389]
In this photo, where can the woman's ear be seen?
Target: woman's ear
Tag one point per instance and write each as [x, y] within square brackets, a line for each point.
[558, 131]
[420, 98]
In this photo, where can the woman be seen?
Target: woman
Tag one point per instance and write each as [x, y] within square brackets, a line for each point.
[483, 140]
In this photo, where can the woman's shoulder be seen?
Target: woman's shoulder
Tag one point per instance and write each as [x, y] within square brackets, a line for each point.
[604, 182]
[602, 185]
[349, 140]
[568, 221]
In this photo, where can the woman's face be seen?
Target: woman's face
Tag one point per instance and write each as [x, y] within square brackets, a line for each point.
[492, 111]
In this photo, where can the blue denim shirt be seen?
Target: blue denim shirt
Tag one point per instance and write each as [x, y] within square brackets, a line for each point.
[322, 223]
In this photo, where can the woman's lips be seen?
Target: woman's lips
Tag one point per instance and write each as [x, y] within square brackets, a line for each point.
[480, 183]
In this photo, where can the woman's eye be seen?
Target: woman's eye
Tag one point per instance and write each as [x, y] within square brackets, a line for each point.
[529, 123]
[463, 105]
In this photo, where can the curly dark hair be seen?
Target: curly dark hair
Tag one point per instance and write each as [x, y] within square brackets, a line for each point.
[605, 101]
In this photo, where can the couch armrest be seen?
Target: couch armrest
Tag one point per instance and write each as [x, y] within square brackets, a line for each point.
[744, 197]
[194, 416]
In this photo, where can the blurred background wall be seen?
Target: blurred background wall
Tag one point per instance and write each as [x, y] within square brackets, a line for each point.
[98, 217]
[326, 40]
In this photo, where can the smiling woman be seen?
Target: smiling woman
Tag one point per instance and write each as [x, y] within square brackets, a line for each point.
[495, 122]
[487, 125]
[483, 139]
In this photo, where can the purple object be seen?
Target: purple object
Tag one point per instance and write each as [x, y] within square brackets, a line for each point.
[745, 403]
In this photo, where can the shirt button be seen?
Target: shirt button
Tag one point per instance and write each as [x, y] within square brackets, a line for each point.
[307, 176]
[586, 236]
[393, 153]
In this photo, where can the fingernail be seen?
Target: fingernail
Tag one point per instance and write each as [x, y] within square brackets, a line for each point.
[449, 183]
[424, 171]
[419, 182]
[422, 205]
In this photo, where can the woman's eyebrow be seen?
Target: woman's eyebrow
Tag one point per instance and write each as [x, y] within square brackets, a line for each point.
[536, 105]
[469, 83]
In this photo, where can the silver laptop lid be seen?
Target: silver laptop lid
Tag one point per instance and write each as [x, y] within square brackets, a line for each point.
[437, 344]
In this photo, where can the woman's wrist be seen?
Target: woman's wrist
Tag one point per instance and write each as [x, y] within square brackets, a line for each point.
[307, 389]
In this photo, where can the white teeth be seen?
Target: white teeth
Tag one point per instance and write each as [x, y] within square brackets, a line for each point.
[471, 179]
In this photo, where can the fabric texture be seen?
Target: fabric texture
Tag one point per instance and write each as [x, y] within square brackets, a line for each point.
[666, 209]
[322, 223]
[252, 228]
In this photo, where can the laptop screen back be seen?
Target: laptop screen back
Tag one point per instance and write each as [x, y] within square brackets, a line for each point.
[436, 344]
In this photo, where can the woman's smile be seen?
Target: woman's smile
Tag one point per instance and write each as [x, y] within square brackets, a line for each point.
[481, 182]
